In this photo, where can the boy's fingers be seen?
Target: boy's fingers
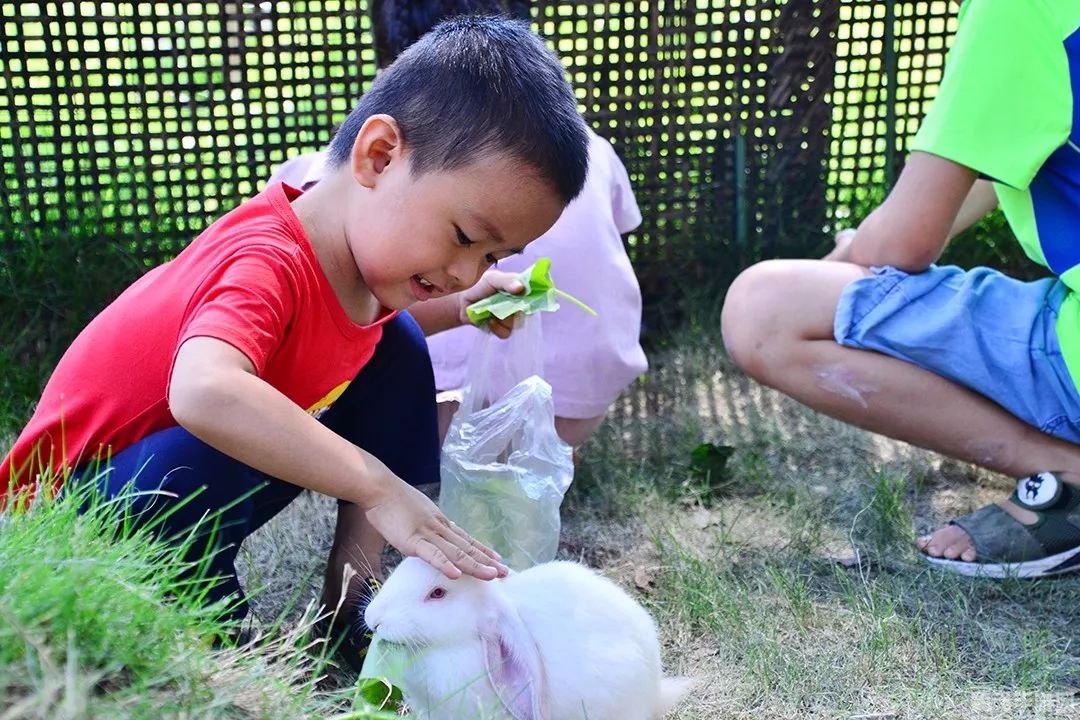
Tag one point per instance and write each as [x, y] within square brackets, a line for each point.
[501, 328]
[436, 558]
[453, 560]
[468, 555]
[495, 281]
[466, 560]
[505, 281]
[474, 543]
[471, 561]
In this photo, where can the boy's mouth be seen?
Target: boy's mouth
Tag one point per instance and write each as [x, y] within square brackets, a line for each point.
[426, 287]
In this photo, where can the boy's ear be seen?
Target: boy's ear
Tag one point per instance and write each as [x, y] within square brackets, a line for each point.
[377, 145]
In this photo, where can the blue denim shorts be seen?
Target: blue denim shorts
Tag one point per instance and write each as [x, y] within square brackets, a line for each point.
[979, 328]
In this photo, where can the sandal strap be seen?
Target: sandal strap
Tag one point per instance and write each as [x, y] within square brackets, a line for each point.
[999, 537]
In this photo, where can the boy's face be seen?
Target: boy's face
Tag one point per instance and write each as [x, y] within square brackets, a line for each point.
[423, 237]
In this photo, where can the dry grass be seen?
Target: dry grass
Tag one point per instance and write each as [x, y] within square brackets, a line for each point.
[759, 592]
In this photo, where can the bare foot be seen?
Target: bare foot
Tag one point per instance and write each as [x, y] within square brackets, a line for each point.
[952, 543]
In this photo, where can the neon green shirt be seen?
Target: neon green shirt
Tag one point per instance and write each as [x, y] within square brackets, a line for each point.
[1008, 108]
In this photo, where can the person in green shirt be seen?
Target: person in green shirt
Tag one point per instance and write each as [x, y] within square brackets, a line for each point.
[973, 364]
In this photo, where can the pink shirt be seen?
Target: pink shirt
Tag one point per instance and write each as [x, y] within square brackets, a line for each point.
[588, 361]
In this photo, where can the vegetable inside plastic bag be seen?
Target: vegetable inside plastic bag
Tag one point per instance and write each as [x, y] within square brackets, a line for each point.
[504, 468]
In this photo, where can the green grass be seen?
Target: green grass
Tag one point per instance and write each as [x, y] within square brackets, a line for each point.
[812, 638]
[96, 621]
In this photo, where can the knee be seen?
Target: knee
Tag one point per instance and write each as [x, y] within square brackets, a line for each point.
[751, 319]
[575, 431]
[403, 333]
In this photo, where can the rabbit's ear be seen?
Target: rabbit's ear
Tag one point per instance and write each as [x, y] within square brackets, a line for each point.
[513, 664]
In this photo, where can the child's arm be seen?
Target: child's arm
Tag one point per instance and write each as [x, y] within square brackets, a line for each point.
[979, 202]
[449, 311]
[215, 394]
[909, 230]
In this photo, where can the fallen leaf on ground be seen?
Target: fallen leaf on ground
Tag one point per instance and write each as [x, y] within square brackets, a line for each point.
[644, 577]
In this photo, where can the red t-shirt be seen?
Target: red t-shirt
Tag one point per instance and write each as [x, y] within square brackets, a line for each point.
[252, 280]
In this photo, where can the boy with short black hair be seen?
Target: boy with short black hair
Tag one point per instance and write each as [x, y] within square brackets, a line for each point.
[270, 355]
[588, 361]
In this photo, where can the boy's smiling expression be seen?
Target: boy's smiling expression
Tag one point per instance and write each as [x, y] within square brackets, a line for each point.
[415, 237]
[437, 233]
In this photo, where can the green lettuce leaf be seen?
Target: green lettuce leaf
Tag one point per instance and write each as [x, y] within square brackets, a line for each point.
[540, 296]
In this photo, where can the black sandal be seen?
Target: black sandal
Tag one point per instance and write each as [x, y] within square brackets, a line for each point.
[1006, 547]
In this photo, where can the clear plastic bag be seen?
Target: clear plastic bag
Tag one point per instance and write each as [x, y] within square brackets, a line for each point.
[504, 468]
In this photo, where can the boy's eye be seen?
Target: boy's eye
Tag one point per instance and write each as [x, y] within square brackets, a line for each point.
[462, 238]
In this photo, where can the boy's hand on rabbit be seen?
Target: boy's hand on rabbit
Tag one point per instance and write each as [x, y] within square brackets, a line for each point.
[491, 282]
[409, 521]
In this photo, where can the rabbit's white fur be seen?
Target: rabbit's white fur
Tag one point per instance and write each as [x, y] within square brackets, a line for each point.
[554, 642]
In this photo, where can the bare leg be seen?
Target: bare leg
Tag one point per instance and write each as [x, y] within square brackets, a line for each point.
[357, 544]
[446, 410]
[778, 327]
[575, 431]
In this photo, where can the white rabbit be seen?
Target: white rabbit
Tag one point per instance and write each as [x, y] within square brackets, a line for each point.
[554, 642]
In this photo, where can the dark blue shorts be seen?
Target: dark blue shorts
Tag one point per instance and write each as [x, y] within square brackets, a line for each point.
[174, 482]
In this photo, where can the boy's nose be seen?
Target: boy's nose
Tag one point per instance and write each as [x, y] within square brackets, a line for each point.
[463, 274]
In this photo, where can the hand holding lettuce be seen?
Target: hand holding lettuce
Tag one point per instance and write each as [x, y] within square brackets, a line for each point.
[540, 295]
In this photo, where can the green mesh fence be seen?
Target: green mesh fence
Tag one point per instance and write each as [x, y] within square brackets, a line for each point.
[749, 127]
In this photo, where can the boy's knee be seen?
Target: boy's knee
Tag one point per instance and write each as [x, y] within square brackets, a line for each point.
[748, 319]
[404, 346]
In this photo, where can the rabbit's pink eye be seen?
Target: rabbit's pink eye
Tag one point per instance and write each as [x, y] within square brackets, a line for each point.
[437, 593]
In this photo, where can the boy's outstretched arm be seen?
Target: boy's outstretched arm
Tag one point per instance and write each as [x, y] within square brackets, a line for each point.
[927, 207]
[215, 394]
